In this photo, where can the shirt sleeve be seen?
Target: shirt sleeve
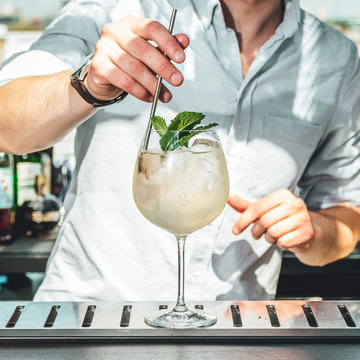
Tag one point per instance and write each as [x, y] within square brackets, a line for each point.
[332, 176]
[65, 42]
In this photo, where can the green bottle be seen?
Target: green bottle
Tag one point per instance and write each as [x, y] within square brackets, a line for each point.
[27, 168]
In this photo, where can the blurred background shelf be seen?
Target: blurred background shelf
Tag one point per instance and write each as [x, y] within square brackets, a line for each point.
[24, 263]
[26, 254]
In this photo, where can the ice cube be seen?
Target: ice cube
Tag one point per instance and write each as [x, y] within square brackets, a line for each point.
[202, 146]
[153, 167]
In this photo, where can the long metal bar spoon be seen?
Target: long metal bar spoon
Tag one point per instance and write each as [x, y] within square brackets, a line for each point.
[158, 87]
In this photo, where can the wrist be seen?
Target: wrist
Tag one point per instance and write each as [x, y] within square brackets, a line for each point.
[324, 247]
[110, 95]
[78, 103]
[320, 245]
[77, 78]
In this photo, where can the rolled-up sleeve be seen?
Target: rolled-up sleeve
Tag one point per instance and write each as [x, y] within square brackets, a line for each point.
[332, 176]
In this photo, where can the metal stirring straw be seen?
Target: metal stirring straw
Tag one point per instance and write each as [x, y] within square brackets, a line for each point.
[158, 87]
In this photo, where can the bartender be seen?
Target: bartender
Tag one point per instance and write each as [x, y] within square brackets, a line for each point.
[285, 90]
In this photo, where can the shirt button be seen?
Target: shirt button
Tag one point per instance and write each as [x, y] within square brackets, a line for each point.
[226, 63]
[199, 258]
[224, 34]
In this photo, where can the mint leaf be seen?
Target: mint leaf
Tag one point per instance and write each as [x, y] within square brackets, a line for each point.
[184, 141]
[180, 131]
[169, 142]
[159, 125]
[186, 120]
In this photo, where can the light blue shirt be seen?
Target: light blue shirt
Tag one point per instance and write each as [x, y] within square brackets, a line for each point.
[292, 122]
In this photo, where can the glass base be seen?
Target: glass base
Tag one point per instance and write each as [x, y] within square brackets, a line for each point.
[180, 320]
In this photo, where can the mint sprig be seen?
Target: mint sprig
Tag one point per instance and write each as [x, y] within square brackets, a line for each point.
[185, 126]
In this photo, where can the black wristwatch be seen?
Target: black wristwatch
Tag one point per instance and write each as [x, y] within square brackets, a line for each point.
[76, 79]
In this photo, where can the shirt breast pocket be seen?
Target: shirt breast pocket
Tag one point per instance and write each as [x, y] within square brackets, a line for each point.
[293, 131]
[278, 156]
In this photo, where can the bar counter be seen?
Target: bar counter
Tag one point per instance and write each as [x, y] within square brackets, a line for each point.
[65, 331]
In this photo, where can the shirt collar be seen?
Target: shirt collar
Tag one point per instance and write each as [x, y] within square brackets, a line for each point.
[291, 21]
[287, 28]
[206, 10]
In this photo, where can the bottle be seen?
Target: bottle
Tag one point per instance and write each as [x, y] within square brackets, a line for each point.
[27, 167]
[46, 157]
[41, 214]
[6, 199]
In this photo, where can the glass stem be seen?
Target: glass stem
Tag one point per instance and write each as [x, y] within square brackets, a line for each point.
[180, 304]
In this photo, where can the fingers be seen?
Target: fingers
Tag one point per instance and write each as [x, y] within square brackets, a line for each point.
[281, 217]
[270, 239]
[296, 240]
[153, 30]
[136, 44]
[116, 68]
[238, 203]
[139, 49]
[259, 208]
[272, 219]
[106, 81]
[124, 59]
[145, 82]
[183, 39]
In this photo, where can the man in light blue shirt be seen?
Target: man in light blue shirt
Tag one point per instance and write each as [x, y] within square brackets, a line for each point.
[283, 87]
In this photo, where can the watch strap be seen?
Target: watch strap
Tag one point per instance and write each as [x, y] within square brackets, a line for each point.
[76, 80]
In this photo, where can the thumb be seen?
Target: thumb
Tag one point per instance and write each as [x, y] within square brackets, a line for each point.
[238, 203]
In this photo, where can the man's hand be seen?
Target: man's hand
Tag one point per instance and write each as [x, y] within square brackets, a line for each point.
[124, 59]
[316, 237]
[281, 216]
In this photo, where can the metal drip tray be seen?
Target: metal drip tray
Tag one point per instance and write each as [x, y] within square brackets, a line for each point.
[125, 320]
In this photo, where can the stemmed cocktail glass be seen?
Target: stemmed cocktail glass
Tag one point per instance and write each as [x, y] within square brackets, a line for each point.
[181, 190]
